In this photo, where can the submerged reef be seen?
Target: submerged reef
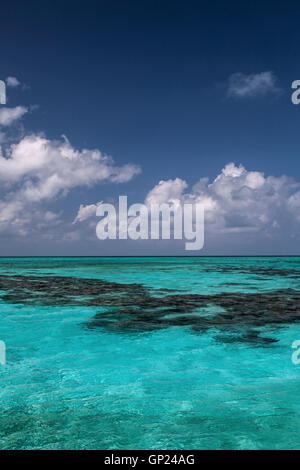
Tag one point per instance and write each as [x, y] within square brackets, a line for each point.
[136, 308]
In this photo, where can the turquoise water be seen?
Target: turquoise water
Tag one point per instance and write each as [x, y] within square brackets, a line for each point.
[142, 362]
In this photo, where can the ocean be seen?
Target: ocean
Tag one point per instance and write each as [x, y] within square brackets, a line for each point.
[150, 353]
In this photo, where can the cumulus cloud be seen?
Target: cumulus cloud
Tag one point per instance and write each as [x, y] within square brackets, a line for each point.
[237, 200]
[50, 167]
[12, 82]
[170, 190]
[249, 86]
[10, 115]
[37, 170]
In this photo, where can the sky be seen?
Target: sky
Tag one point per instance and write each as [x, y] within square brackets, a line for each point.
[158, 100]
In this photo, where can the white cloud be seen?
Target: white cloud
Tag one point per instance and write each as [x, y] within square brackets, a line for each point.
[237, 200]
[51, 167]
[36, 170]
[169, 190]
[85, 212]
[12, 82]
[9, 115]
[253, 85]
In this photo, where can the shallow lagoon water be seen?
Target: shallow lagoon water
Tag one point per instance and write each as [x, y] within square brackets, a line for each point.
[67, 385]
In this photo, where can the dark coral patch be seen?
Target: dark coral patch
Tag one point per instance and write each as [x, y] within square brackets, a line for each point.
[135, 308]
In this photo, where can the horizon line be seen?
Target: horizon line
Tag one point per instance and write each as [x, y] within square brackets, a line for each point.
[149, 256]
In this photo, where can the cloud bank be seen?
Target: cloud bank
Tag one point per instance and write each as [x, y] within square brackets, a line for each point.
[36, 172]
[236, 201]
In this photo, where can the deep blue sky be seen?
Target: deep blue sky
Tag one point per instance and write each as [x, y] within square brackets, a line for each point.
[145, 81]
